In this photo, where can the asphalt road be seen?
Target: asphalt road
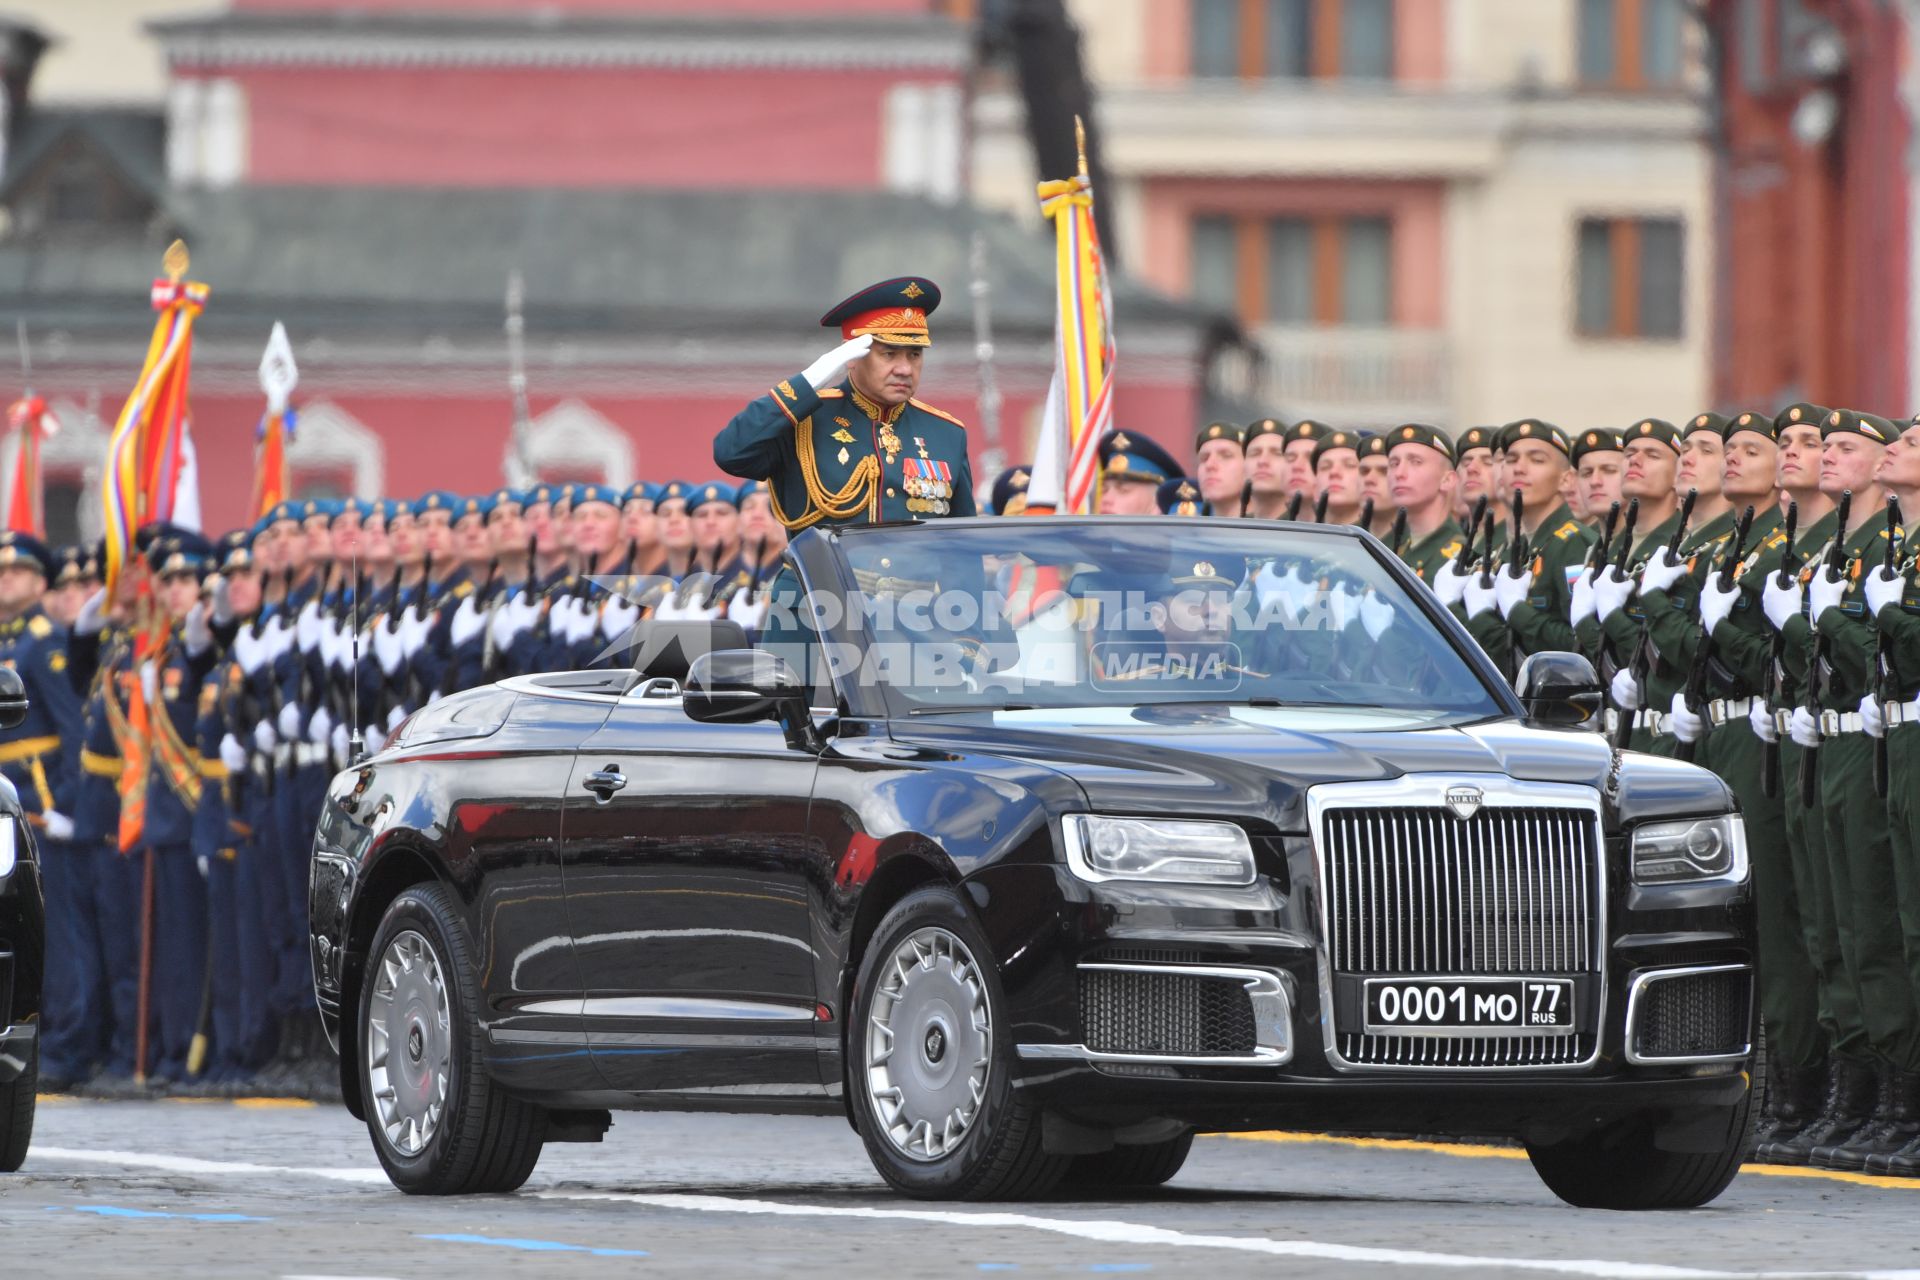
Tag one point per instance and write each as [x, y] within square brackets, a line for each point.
[276, 1189]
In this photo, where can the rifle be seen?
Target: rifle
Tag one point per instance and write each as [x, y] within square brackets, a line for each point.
[1474, 518]
[1397, 534]
[1246, 500]
[1836, 562]
[1366, 514]
[1696, 688]
[1293, 505]
[1517, 543]
[1642, 661]
[1597, 557]
[1320, 508]
[1776, 665]
[1883, 673]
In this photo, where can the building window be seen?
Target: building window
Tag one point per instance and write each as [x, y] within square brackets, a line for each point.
[1296, 271]
[1292, 39]
[1629, 278]
[1630, 44]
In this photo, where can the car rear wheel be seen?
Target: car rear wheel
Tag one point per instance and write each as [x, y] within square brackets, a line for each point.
[16, 1114]
[440, 1126]
[1618, 1166]
[931, 1063]
[1147, 1165]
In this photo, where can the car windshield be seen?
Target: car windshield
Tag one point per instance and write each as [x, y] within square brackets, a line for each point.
[1112, 612]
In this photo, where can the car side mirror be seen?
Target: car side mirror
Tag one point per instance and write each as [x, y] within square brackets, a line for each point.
[1559, 688]
[13, 699]
[743, 686]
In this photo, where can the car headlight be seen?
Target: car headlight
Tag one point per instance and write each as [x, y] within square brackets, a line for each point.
[1163, 850]
[9, 853]
[1693, 849]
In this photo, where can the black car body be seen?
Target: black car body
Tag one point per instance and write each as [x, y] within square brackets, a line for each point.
[659, 911]
[23, 941]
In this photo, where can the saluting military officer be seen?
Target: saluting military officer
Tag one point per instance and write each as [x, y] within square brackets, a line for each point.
[844, 441]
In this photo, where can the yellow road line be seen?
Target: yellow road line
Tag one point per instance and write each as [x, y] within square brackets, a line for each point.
[273, 1104]
[1472, 1151]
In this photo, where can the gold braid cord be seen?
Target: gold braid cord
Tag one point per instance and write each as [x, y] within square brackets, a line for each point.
[846, 501]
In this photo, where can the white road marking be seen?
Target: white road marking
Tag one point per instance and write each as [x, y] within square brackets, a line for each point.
[1100, 1231]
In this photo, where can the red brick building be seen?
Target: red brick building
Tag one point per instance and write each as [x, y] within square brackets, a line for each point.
[684, 188]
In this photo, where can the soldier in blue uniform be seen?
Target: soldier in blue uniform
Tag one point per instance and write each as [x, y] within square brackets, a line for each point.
[39, 757]
[1132, 469]
[1010, 491]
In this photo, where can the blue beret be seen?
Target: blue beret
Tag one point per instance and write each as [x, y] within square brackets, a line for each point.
[747, 489]
[585, 493]
[712, 491]
[1123, 454]
[354, 506]
[642, 489]
[1010, 491]
[24, 548]
[539, 494]
[675, 491]
[328, 507]
[282, 511]
[1180, 497]
[435, 500]
[508, 498]
[479, 505]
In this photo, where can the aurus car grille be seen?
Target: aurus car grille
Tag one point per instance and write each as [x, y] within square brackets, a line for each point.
[1417, 890]
[1165, 1013]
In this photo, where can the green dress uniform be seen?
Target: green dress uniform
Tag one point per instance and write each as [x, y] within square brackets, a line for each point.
[1900, 623]
[1436, 551]
[831, 456]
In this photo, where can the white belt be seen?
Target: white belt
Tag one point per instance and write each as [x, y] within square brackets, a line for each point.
[1726, 710]
[281, 754]
[1649, 720]
[1833, 723]
[1903, 712]
[311, 753]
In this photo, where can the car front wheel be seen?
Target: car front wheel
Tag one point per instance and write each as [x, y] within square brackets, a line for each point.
[1618, 1166]
[16, 1114]
[440, 1126]
[931, 1066]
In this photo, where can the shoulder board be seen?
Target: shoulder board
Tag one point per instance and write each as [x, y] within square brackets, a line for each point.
[1567, 530]
[40, 626]
[938, 413]
[1452, 549]
[209, 697]
[463, 589]
[1779, 537]
[831, 393]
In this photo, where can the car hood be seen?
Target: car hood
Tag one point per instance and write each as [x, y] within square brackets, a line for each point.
[1258, 762]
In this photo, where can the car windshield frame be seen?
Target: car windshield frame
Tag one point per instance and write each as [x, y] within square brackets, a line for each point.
[824, 560]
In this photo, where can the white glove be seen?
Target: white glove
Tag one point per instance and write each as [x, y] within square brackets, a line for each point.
[1611, 591]
[825, 371]
[516, 614]
[1662, 572]
[388, 649]
[342, 742]
[1824, 593]
[670, 609]
[58, 825]
[585, 623]
[413, 631]
[1483, 593]
[232, 754]
[618, 618]
[1376, 615]
[264, 739]
[248, 651]
[1510, 587]
[1803, 728]
[92, 614]
[747, 610]
[1715, 604]
[306, 628]
[560, 614]
[149, 680]
[195, 631]
[1625, 690]
[1341, 606]
[290, 722]
[1686, 725]
[1450, 584]
[320, 728]
[222, 601]
[376, 741]
[1883, 587]
[1290, 588]
[469, 620]
[1870, 718]
[1765, 727]
[394, 717]
[1583, 602]
[1780, 603]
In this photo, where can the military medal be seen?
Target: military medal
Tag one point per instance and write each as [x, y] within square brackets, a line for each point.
[844, 455]
[889, 441]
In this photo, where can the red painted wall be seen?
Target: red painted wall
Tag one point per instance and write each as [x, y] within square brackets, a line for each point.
[569, 127]
[776, 8]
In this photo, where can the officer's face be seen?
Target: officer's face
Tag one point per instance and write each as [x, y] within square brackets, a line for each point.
[63, 604]
[1900, 466]
[470, 538]
[291, 541]
[243, 590]
[1373, 478]
[757, 524]
[1475, 473]
[1196, 616]
[20, 586]
[596, 526]
[346, 535]
[1651, 465]
[404, 533]
[1269, 466]
[546, 539]
[1703, 456]
[1800, 457]
[1600, 475]
[1337, 476]
[1535, 467]
[676, 527]
[638, 523]
[1223, 470]
[1128, 496]
[888, 374]
[375, 546]
[436, 534]
[179, 592]
[319, 534]
[1299, 467]
[712, 523]
[1499, 471]
[506, 530]
[1847, 462]
[1753, 462]
[1417, 476]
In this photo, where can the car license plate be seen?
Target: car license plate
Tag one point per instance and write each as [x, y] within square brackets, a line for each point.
[1470, 1006]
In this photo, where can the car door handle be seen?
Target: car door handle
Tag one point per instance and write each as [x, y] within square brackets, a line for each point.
[604, 782]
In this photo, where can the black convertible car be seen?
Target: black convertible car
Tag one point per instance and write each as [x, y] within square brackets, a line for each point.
[1036, 847]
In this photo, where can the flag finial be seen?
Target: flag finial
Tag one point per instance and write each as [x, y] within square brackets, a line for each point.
[1080, 142]
[175, 261]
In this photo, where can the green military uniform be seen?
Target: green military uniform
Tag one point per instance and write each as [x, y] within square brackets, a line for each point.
[1612, 642]
[1900, 623]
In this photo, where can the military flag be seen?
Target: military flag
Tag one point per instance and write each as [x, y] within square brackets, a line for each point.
[32, 424]
[278, 377]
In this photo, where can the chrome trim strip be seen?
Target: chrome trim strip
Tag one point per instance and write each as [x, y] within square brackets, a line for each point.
[1429, 790]
[1272, 1022]
[691, 1008]
[1647, 977]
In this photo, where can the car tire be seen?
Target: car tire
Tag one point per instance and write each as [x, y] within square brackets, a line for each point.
[16, 1114]
[1147, 1165]
[928, 985]
[420, 988]
[1618, 1166]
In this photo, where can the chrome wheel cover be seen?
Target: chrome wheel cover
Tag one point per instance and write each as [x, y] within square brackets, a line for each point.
[409, 1043]
[929, 1044]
